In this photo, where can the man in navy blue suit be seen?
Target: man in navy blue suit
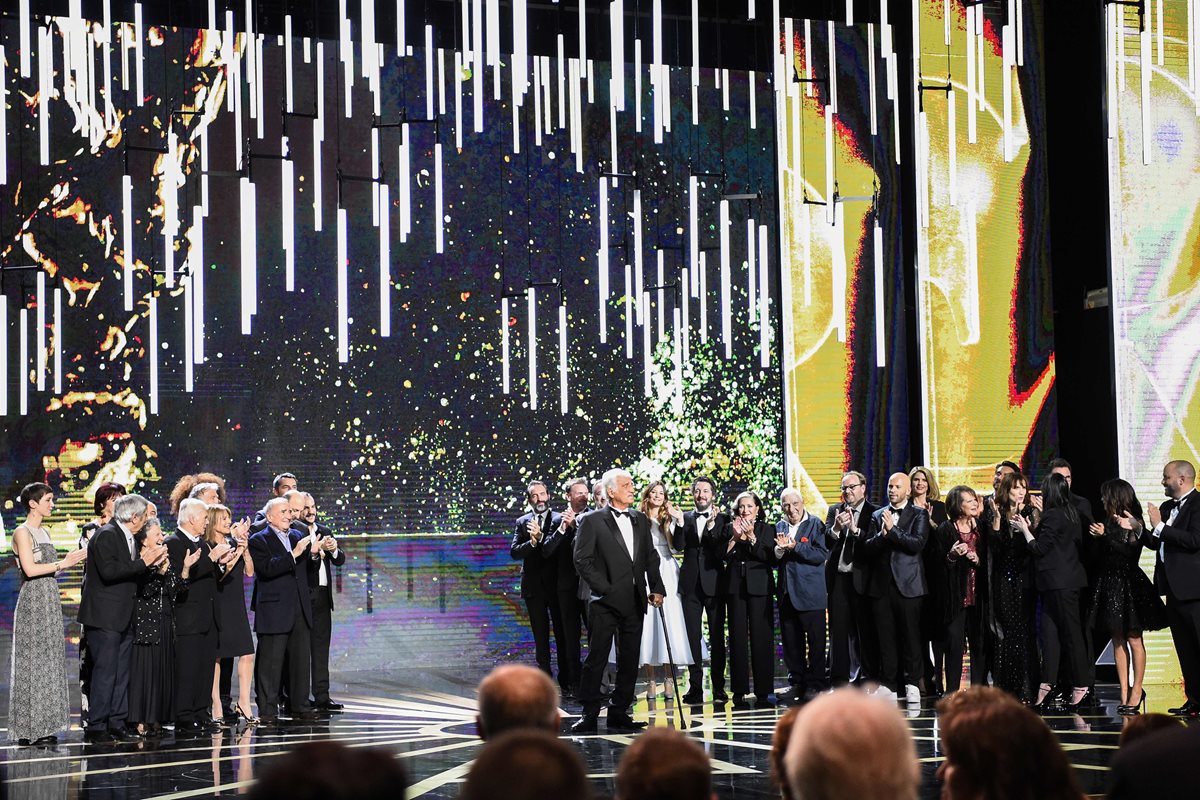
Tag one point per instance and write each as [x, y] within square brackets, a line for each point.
[282, 612]
[801, 551]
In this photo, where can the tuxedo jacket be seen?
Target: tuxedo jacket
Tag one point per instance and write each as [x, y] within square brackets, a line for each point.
[897, 553]
[280, 583]
[1181, 541]
[802, 569]
[539, 573]
[559, 550]
[749, 566]
[196, 601]
[111, 578]
[1056, 552]
[703, 570]
[618, 579]
[860, 568]
[327, 563]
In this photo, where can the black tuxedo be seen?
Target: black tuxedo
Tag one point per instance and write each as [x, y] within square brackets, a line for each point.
[539, 587]
[1177, 575]
[321, 598]
[559, 550]
[896, 586]
[196, 622]
[749, 589]
[110, 585]
[702, 591]
[283, 619]
[851, 621]
[620, 581]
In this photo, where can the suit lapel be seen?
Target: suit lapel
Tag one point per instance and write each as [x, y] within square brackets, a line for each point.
[618, 540]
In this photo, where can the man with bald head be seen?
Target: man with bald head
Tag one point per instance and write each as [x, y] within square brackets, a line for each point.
[282, 612]
[1174, 534]
[801, 551]
[894, 542]
[516, 696]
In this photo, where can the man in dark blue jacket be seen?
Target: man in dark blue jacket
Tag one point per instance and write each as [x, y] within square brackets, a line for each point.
[801, 552]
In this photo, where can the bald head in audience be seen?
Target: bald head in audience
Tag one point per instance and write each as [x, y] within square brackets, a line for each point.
[516, 696]
[663, 764]
[847, 744]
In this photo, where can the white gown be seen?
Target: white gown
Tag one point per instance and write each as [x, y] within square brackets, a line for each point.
[654, 645]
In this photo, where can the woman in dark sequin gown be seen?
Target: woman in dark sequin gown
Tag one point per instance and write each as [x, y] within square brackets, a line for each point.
[1011, 597]
[1125, 603]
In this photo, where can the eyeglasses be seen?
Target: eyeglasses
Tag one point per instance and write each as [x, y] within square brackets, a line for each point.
[851, 487]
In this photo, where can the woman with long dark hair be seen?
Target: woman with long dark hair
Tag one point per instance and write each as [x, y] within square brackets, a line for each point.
[1011, 596]
[664, 517]
[963, 552]
[1060, 577]
[750, 589]
[1125, 603]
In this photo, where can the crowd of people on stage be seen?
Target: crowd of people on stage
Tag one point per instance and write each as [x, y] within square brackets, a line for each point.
[1031, 586]
[163, 617]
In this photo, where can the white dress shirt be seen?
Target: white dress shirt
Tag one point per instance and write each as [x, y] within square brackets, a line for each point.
[626, 527]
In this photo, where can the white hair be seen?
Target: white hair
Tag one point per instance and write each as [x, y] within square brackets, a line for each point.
[790, 490]
[609, 480]
[274, 501]
[190, 510]
[201, 488]
[129, 506]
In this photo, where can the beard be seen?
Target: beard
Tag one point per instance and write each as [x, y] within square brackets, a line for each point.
[540, 508]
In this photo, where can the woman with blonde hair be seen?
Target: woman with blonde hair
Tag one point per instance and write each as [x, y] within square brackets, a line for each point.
[664, 517]
[233, 638]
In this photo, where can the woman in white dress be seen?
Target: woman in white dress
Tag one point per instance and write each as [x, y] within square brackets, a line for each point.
[663, 519]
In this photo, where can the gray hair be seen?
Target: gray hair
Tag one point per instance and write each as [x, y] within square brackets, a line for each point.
[191, 509]
[200, 488]
[790, 490]
[274, 501]
[151, 523]
[609, 480]
[129, 506]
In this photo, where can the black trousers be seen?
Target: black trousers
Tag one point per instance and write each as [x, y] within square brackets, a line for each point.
[1054, 667]
[1183, 617]
[570, 613]
[322, 632]
[751, 627]
[544, 614]
[195, 658]
[965, 629]
[695, 608]
[843, 627]
[108, 699]
[605, 624]
[803, 634]
[1062, 608]
[269, 666]
[898, 623]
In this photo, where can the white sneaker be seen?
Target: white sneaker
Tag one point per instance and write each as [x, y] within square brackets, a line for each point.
[883, 693]
[912, 694]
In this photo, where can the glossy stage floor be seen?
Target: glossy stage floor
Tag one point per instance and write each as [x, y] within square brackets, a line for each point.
[427, 717]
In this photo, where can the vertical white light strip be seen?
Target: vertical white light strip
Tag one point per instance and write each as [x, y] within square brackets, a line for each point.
[441, 81]
[677, 364]
[693, 232]
[139, 56]
[684, 320]
[656, 74]
[602, 261]
[515, 107]
[629, 313]
[980, 61]
[923, 176]
[809, 87]
[288, 198]
[872, 98]
[952, 139]
[660, 295]
[637, 85]
[3, 355]
[153, 352]
[45, 89]
[429, 72]
[703, 296]
[458, 104]
[249, 246]
[849, 13]
[170, 188]
[751, 272]
[477, 62]
[764, 299]
[724, 90]
[1006, 79]
[837, 247]
[583, 54]
[612, 136]
[289, 85]
[561, 64]
[197, 272]
[402, 33]
[562, 358]
[189, 372]
[385, 262]
[1158, 19]
[1145, 70]
[971, 289]
[3, 122]
[25, 45]
[23, 363]
[531, 296]
[833, 83]
[492, 32]
[647, 335]
[40, 357]
[404, 179]
[753, 84]
[880, 329]
[616, 19]
[638, 254]
[695, 28]
[971, 101]
[726, 298]
[537, 101]
[58, 342]
[127, 237]
[343, 289]
[346, 52]
[437, 198]
[505, 379]
[318, 138]
[830, 192]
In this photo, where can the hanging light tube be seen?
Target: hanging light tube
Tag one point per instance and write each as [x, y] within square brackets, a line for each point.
[637, 85]
[3, 123]
[659, 296]
[127, 237]
[764, 299]
[1006, 78]
[346, 52]
[808, 57]
[515, 106]
[612, 136]
[685, 334]
[289, 86]
[40, 332]
[583, 56]
[153, 352]
[402, 32]
[952, 124]
[385, 262]
[429, 72]
[441, 87]
[638, 253]
[504, 371]
[849, 13]
[25, 45]
[695, 29]
[288, 195]
[655, 76]
[170, 205]
[45, 89]
[972, 104]
[694, 232]
[751, 272]
[477, 65]
[830, 191]
[676, 365]
[629, 312]
[3, 355]
[547, 105]
[437, 198]
[110, 113]
[537, 101]
[188, 325]
[250, 42]
[562, 358]
[404, 178]
[318, 138]
[366, 16]
[703, 296]
[249, 248]
[872, 99]
[647, 334]
[139, 55]
[616, 83]
[229, 58]
[58, 341]
[23, 365]
[531, 295]
[880, 324]
[753, 101]
[458, 101]
[343, 289]
[726, 301]
[602, 261]
[197, 278]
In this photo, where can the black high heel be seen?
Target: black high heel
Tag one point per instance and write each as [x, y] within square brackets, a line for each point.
[1132, 709]
[1047, 701]
[249, 719]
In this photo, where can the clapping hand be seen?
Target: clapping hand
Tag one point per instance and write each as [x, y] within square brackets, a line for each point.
[675, 513]
[656, 600]
[842, 521]
[1126, 520]
[74, 557]
[152, 554]
[240, 531]
[888, 519]
[784, 542]
[1035, 500]
[1097, 529]
[1154, 514]
[191, 558]
[1021, 524]
[329, 544]
[568, 518]
[218, 551]
[535, 531]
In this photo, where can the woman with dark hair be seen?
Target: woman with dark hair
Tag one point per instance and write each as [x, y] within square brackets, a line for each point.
[106, 496]
[1125, 602]
[926, 495]
[996, 749]
[664, 518]
[38, 705]
[962, 550]
[749, 590]
[1011, 599]
[1060, 577]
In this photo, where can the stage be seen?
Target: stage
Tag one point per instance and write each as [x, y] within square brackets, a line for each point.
[426, 718]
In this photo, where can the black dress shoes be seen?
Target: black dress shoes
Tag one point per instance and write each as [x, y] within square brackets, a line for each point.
[1188, 709]
[740, 701]
[623, 723]
[586, 724]
[328, 705]
[124, 735]
[719, 696]
[98, 736]
[304, 717]
[693, 698]
[268, 722]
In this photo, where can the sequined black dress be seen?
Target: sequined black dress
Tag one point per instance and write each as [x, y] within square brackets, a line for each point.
[1125, 600]
[1013, 601]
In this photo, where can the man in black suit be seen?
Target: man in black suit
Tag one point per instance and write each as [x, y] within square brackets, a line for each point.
[895, 541]
[539, 574]
[114, 567]
[702, 581]
[852, 636]
[282, 612]
[320, 585]
[560, 550]
[615, 554]
[1174, 534]
[196, 620]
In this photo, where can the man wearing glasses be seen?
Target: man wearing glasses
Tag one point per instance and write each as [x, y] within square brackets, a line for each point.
[851, 630]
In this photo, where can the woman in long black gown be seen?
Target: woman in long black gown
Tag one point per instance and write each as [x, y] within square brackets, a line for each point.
[1011, 596]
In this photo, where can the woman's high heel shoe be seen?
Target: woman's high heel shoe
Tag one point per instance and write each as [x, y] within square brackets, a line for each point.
[243, 715]
[1132, 709]
[1045, 699]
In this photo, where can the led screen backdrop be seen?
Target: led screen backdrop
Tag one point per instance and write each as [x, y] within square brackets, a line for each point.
[1154, 165]
[527, 338]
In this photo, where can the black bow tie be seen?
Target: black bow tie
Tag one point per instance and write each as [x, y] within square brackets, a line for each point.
[619, 513]
[703, 513]
[895, 510]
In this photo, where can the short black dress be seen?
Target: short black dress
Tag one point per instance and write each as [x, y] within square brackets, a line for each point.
[1125, 600]
[233, 639]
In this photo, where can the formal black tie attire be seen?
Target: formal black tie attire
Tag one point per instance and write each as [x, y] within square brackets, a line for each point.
[851, 620]
[702, 583]
[560, 551]
[1176, 541]
[195, 631]
[896, 587]
[320, 585]
[282, 619]
[539, 587]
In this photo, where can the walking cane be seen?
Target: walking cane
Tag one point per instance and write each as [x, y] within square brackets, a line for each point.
[662, 615]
